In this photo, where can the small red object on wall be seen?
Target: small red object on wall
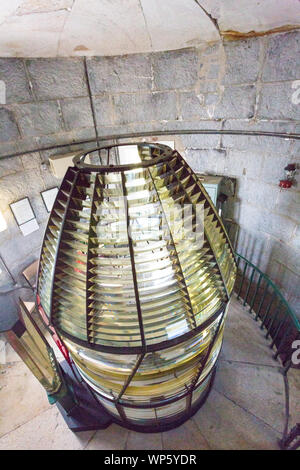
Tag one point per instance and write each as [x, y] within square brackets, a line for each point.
[285, 184]
[290, 171]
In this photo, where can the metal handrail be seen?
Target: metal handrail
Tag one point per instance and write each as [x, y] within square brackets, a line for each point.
[265, 299]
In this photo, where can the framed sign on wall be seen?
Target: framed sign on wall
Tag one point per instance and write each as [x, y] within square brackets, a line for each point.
[48, 197]
[24, 216]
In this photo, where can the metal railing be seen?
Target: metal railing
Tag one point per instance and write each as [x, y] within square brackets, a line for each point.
[268, 305]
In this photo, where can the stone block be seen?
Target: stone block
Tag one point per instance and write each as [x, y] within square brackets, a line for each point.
[295, 241]
[57, 78]
[261, 144]
[242, 61]
[262, 196]
[206, 86]
[9, 166]
[31, 161]
[284, 267]
[276, 102]
[9, 148]
[36, 119]
[211, 99]
[249, 216]
[261, 220]
[211, 162]
[203, 141]
[84, 134]
[120, 74]
[112, 438]
[226, 426]
[280, 227]
[288, 204]
[236, 102]
[281, 57]
[212, 49]
[77, 113]
[12, 72]
[192, 106]
[213, 71]
[144, 107]
[54, 139]
[254, 388]
[136, 441]
[8, 126]
[175, 69]
[185, 437]
[103, 109]
[243, 163]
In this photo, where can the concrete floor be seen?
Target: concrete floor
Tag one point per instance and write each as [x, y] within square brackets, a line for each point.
[245, 409]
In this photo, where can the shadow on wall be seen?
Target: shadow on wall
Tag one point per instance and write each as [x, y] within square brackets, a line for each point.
[285, 275]
[272, 258]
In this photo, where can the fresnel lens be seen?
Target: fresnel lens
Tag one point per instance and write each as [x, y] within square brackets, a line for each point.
[135, 276]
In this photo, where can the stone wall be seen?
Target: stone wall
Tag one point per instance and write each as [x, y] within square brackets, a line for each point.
[248, 84]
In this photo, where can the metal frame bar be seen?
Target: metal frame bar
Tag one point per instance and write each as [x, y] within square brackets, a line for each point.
[192, 317]
[267, 310]
[131, 251]
[91, 103]
[255, 293]
[59, 243]
[130, 377]
[275, 315]
[211, 345]
[280, 135]
[88, 256]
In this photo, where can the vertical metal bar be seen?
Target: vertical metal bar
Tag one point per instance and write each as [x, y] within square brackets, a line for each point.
[277, 331]
[211, 345]
[88, 256]
[130, 377]
[286, 364]
[92, 106]
[156, 418]
[249, 286]
[131, 251]
[268, 310]
[282, 342]
[189, 401]
[121, 412]
[273, 319]
[261, 302]
[255, 293]
[59, 241]
[242, 280]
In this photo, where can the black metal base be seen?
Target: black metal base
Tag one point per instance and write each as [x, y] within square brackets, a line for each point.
[89, 414]
[292, 440]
